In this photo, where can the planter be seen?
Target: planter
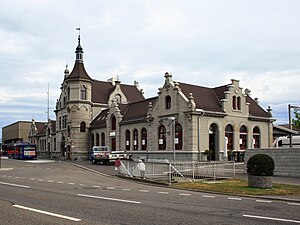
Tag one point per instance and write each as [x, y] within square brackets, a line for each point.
[260, 181]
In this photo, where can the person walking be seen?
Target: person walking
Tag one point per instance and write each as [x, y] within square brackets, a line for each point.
[141, 167]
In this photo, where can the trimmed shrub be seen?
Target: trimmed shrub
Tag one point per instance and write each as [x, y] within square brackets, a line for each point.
[260, 165]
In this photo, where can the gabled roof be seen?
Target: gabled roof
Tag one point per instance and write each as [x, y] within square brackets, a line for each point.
[137, 110]
[101, 91]
[205, 98]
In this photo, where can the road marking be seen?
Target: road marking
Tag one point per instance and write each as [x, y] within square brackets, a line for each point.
[143, 190]
[15, 185]
[236, 199]
[111, 199]
[110, 188]
[162, 192]
[271, 218]
[183, 194]
[264, 201]
[208, 196]
[48, 213]
[292, 203]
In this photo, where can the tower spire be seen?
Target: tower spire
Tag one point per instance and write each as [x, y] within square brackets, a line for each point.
[79, 50]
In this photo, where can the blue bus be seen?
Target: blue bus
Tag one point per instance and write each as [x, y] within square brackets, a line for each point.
[20, 150]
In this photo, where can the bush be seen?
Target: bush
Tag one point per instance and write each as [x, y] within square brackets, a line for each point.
[260, 165]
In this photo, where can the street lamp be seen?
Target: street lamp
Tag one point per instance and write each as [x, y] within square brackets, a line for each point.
[173, 119]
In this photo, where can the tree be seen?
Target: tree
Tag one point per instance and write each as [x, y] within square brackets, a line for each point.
[296, 120]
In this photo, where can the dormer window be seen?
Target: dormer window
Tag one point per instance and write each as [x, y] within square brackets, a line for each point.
[83, 93]
[168, 102]
[118, 98]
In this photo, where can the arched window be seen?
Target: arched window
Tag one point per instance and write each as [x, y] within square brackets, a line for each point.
[97, 139]
[92, 140]
[135, 139]
[162, 137]
[127, 136]
[82, 127]
[68, 93]
[229, 136]
[168, 102]
[234, 102]
[102, 139]
[243, 138]
[113, 123]
[256, 137]
[83, 92]
[144, 139]
[178, 136]
[118, 98]
[238, 103]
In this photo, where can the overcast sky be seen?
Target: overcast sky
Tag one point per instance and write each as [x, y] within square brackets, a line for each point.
[202, 42]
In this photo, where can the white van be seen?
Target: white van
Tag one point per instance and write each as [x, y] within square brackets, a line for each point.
[284, 142]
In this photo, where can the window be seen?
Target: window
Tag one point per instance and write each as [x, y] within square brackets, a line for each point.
[135, 139]
[229, 136]
[234, 102]
[239, 103]
[82, 127]
[113, 123]
[243, 138]
[83, 93]
[92, 139]
[102, 139]
[178, 136]
[118, 98]
[162, 138]
[127, 136]
[68, 93]
[256, 137]
[144, 139]
[97, 139]
[168, 102]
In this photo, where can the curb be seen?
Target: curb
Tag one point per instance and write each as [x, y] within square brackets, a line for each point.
[152, 182]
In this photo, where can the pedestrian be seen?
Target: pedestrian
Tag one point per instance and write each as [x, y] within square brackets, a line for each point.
[117, 165]
[141, 167]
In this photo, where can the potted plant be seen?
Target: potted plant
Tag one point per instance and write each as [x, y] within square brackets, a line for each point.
[260, 169]
[208, 153]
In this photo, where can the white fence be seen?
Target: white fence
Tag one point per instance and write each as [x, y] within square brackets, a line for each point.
[179, 171]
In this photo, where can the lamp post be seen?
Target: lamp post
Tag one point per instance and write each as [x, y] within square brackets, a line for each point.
[173, 119]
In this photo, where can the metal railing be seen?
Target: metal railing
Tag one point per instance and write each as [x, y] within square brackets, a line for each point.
[169, 172]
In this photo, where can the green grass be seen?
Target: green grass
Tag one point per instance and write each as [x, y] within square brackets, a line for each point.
[240, 187]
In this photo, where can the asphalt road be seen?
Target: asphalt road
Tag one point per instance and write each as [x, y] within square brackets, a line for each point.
[44, 192]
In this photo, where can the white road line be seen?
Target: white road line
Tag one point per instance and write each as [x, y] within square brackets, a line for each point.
[183, 194]
[144, 191]
[264, 201]
[271, 218]
[293, 203]
[162, 192]
[48, 213]
[110, 199]
[208, 196]
[15, 185]
[236, 199]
